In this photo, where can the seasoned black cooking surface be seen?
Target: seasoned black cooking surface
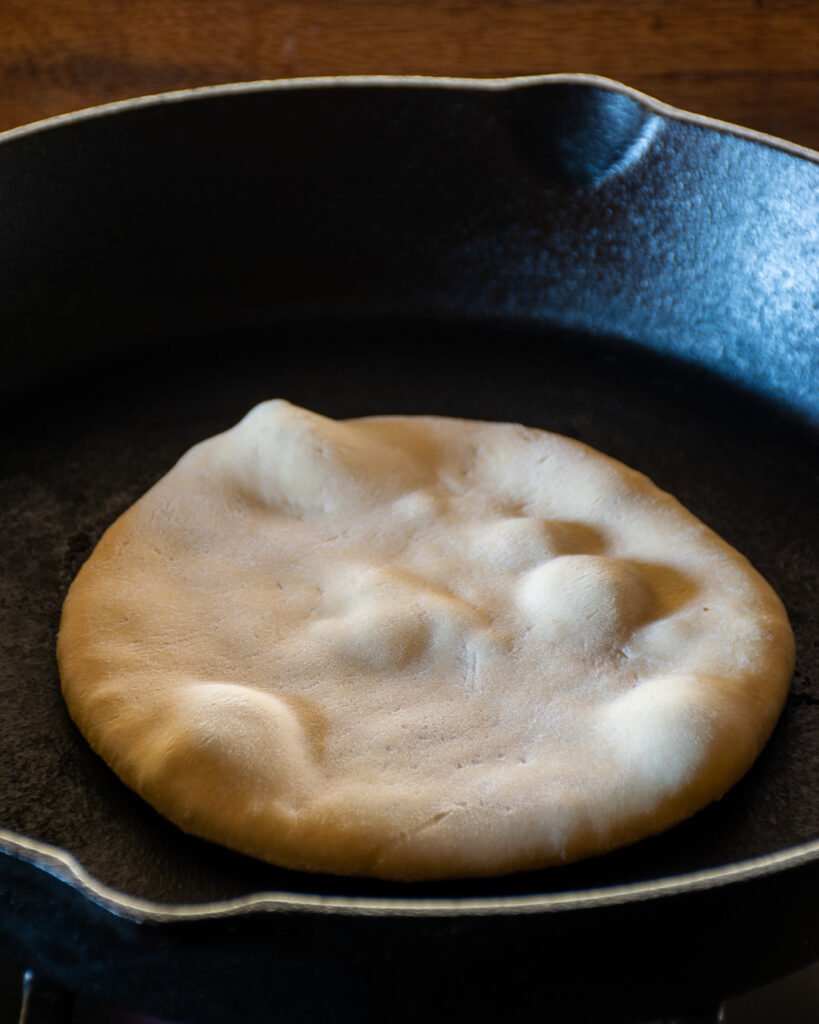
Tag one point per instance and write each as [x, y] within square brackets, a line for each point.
[77, 450]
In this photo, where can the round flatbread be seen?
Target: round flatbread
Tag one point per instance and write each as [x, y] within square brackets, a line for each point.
[419, 647]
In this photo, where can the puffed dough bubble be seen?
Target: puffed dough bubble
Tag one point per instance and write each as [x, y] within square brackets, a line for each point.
[604, 594]
[418, 647]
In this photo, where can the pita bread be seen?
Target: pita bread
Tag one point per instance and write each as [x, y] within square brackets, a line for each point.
[419, 648]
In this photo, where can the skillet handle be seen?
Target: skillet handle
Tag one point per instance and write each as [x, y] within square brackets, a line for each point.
[43, 1002]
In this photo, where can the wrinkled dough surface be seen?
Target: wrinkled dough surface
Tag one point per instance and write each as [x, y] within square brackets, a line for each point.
[419, 647]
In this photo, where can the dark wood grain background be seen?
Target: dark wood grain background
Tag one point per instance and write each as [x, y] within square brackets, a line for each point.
[753, 63]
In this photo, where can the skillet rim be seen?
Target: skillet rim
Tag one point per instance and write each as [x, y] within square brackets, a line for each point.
[67, 869]
[503, 84]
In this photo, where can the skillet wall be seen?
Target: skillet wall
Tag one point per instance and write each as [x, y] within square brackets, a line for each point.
[558, 202]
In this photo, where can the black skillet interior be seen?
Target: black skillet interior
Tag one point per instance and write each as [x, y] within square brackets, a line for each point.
[558, 255]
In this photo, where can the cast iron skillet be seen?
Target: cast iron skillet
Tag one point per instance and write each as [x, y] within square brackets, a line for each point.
[560, 251]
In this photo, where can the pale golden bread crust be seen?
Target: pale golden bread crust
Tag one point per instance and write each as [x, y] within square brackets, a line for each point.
[419, 648]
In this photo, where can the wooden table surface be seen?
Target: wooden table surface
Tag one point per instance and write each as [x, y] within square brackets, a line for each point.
[753, 63]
